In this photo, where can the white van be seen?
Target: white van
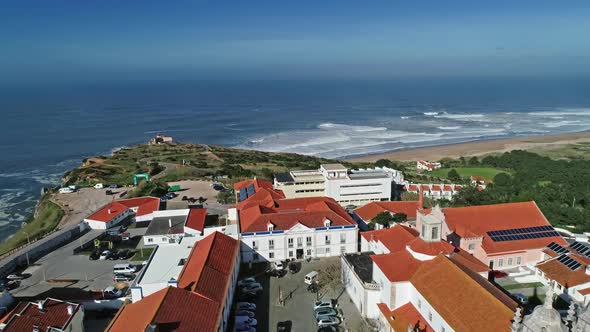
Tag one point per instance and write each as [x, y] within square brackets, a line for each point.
[123, 268]
[98, 186]
[310, 277]
[66, 190]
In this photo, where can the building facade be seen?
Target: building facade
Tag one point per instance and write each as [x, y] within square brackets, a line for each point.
[346, 186]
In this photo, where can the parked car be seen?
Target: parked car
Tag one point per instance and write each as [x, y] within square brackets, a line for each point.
[94, 255]
[245, 306]
[125, 236]
[98, 186]
[108, 192]
[246, 281]
[245, 313]
[275, 273]
[247, 296]
[294, 267]
[9, 284]
[323, 304]
[241, 320]
[325, 312]
[105, 255]
[15, 276]
[329, 321]
[114, 255]
[123, 254]
[523, 299]
[328, 328]
[117, 230]
[284, 326]
[244, 328]
[113, 186]
[112, 292]
[252, 288]
[278, 265]
[123, 277]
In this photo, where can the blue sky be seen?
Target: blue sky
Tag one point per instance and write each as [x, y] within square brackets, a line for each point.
[103, 40]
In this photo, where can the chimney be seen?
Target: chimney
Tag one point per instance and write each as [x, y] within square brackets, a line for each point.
[40, 305]
[420, 198]
[109, 211]
[70, 309]
[170, 223]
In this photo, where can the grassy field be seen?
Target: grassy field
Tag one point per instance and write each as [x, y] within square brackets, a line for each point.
[48, 217]
[577, 151]
[139, 257]
[524, 285]
[487, 172]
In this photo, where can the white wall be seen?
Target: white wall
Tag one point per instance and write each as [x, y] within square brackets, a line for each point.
[365, 299]
[96, 224]
[318, 247]
[432, 317]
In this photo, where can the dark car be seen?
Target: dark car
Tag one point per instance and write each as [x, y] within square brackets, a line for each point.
[285, 326]
[114, 186]
[123, 254]
[275, 273]
[294, 267]
[114, 255]
[247, 297]
[313, 288]
[94, 255]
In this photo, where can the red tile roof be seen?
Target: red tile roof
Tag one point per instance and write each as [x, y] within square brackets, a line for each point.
[463, 258]
[555, 270]
[371, 210]
[460, 299]
[431, 248]
[144, 205]
[395, 238]
[436, 187]
[262, 196]
[170, 309]
[404, 316]
[397, 266]
[197, 303]
[447, 187]
[286, 213]
[584, 291]
[477, 220]
[196, 219]
[413, 187]
[258, 183]
[27, 314]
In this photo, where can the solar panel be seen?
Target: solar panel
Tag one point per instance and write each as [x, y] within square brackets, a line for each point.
[524, 233]
[243, 194]
[251, 190]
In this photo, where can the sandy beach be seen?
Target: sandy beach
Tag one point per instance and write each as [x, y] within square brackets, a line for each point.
[481, 147]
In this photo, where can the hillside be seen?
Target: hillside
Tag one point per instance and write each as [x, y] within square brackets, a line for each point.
[187, 161]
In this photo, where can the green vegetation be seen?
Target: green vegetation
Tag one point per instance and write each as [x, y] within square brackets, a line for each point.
[523, 285]
[153, 188]
[189, 162]
[142, 254]
[47, 218]
[386, 219]
[464, 172]
[226, 197]
[559, 187]
[576, 151]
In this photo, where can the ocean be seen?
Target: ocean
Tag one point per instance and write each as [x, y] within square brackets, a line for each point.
[50, 129]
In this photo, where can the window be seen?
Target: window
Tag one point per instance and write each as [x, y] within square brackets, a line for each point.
[327, 239]
[510, 261]
[308, 241]
[271, 255]
[299, 242]
[271, 227]
[471, 246]
[290, 253]
[327, 223]
[434, 233]
[419, 303]
[500, 262]
[290, 243]
[164, 239]
[254, 245]
[518, 260]
[442, 329]
[150, 240]
[342, 237]
[423, 230]
[308, 252]
[342, 250]
[430, 316]
[271, 244]
[327, 251]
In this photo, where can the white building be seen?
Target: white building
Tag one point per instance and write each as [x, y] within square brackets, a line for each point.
[141, 209]
[274, 228]
[346, 186]
[424, 165]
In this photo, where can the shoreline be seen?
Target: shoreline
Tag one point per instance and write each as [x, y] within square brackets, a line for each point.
[477, 148]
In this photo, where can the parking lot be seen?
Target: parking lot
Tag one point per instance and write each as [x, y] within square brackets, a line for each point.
[298, 301]
[67, 272]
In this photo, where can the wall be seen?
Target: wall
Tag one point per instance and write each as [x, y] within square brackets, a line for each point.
[42, 247]
[422, 305]
[281, 243]
[364, 298]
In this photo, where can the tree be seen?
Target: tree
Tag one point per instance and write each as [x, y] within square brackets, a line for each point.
[384, 218]
[226, 197]
[453, 175]
[473, 161]
[502, 180]
[408, 196]
[400, 217]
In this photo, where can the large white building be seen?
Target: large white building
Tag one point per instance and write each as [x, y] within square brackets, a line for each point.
[141, 209]
[274, 228]
[346, 186]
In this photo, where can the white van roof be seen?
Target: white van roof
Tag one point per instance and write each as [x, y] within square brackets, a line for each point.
[311, 274]
[121, 266]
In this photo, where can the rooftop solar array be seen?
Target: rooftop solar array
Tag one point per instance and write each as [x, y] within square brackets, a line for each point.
[247, 192]
[525, 233]
[571, 263]
[581, 248]
[557, 248]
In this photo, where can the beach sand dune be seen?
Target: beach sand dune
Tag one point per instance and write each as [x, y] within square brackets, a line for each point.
[480, 147]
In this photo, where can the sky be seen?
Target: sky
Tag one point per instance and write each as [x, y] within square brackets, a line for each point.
[53, 41]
